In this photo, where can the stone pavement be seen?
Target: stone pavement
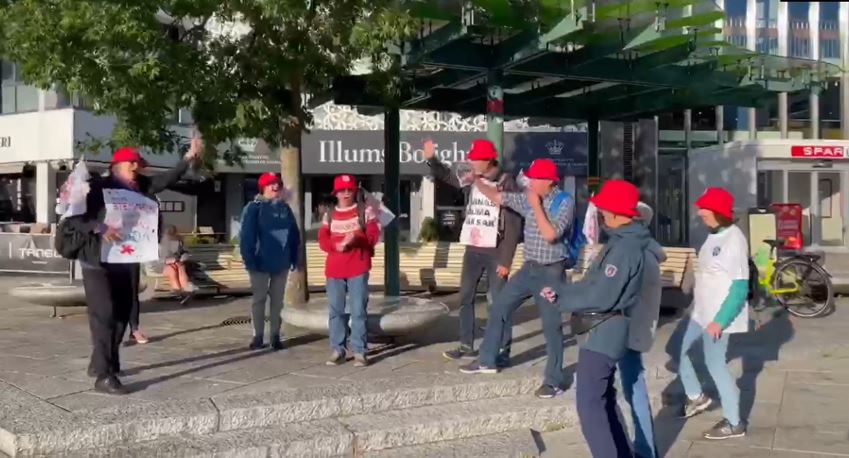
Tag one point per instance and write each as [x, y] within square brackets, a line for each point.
[795, 381]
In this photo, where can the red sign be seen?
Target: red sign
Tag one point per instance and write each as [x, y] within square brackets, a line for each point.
[818, 152]
[788, 225]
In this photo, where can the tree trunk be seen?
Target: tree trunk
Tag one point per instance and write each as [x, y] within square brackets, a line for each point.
[297, 291]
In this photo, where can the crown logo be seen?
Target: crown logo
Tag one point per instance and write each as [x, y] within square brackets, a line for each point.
[555, 147]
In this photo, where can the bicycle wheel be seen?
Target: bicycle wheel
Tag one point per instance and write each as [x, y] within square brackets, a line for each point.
[816, 293]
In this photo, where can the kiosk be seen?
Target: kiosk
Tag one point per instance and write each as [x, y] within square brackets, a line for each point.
[761, 173]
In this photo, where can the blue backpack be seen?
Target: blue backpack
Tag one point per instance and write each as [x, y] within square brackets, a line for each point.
[574, 240]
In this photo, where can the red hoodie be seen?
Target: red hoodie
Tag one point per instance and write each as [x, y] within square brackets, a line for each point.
[356, 259]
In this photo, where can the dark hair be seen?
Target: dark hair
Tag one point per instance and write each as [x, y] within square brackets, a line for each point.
[723, 220]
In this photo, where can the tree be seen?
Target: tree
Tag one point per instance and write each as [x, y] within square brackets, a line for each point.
[243, 67]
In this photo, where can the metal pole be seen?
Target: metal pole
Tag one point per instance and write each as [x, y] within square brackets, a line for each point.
[593, 172]
[392, 172]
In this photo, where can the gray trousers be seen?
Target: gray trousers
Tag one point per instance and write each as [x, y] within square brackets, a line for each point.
[271, 288]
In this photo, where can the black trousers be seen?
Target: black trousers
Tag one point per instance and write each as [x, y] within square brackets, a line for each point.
[109, 297]
[135, 310]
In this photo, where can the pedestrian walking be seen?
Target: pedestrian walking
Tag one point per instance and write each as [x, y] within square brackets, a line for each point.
[111, 290]
[641, 335]
[269, 242]
[601, 304]
[719, 309]
[548, 216]
[490, 233]
[348, 235]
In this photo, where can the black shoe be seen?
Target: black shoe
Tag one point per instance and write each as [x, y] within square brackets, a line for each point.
[256, 344]
[696, 406]
[461, 352]
[548, 391]
[109, 385]
[502, 361]
[276, 344]
[724, 430]
[477, 368]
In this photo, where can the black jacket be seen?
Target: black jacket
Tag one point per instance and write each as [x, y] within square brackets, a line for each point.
[510, 223]
[86, 225]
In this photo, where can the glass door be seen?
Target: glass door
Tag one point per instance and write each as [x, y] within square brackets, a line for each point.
[671, 214]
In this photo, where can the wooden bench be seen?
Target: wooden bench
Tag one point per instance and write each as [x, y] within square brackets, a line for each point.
[221, 271]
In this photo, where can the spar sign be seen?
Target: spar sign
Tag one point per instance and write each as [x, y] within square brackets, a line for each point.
[818, 152]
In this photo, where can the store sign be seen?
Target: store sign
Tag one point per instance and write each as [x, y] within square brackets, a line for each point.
[818, 152]
[362, 152]
[788, 224]
[5, 142]
[30, 253]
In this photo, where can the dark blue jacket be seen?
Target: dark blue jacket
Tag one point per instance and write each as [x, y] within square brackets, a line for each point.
[269, 239]
[613, 282]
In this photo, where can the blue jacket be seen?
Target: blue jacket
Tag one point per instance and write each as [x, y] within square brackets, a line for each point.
[269, 239]
[614, 282]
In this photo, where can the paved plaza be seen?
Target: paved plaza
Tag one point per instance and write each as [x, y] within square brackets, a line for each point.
[196, 387]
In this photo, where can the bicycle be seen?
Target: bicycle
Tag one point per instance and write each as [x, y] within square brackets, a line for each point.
[782, 281]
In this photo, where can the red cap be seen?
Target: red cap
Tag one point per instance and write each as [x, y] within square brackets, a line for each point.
[717, 200]
[543, 169]
[267, 179]
[618, 197]
[128, 154]
[342, 182]
[483, 150]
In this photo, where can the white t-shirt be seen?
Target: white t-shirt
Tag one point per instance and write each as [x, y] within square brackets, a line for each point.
[722, 259]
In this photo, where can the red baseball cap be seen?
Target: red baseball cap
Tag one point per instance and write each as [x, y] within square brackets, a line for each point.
[717, 200]
[342, 182]
[128, 154]
[618, 197]
[483, 150]
[543, 169]
[267, 179]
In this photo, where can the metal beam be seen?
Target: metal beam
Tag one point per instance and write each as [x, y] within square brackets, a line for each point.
[443, 36]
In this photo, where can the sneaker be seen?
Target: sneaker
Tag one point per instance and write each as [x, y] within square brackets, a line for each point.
[461, 352]
[276, 344]
[696, 406]
[256, 343]
[477, 368]
[548, 391]
[360, 360]
[139, 337]
[336, 358]
[724, 430]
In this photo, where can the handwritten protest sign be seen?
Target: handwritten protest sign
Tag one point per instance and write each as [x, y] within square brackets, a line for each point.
[376, 209]
[137, 219]
[480, 228]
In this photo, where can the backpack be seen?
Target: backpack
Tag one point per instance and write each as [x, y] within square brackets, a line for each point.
[574, 240]
[68, 242]
[754, 284]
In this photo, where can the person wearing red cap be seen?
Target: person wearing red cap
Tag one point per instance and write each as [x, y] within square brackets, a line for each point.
[112, 289]
[269, 241]
[600, 306]
[546, 259]
[490, 234]
[348, 235]
[719, 309]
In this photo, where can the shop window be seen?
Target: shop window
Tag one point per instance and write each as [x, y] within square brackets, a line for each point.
[770, 188]
[831, 209]
[799, 192]
[167, 206]
[16, 97]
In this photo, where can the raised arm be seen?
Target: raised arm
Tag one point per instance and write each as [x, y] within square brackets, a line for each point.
[437, 169]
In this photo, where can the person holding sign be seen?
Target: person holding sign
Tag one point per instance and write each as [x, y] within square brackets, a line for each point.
[348, 235]
[119, 230]
[490, 234]
[546, 258]
[269, 242]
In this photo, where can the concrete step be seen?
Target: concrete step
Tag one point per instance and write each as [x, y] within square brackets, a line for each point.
[33, 432]
[472, 428]
[512, 444]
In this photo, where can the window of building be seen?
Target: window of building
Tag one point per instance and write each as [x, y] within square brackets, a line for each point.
[15, 96]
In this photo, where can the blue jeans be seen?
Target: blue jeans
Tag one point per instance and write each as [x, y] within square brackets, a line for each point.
[527, 282]
[595, 397]
[356, 291]
[715, 361]
[632, 376]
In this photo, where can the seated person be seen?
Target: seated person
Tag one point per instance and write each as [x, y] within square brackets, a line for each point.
[174, 256]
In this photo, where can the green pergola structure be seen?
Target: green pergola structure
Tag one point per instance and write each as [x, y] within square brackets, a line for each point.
[576, 60]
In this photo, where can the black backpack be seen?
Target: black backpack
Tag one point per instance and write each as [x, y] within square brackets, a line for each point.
[754, 284]
[69, 243]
